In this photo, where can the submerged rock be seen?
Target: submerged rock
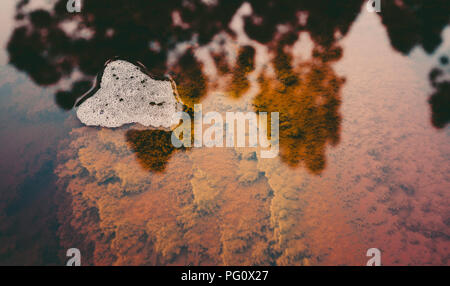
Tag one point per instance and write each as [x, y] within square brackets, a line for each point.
[126, 94]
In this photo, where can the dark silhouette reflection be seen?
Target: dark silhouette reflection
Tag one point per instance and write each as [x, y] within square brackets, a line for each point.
[322, 19]
[153, 148]
[188, 75]
[415, 22]
[143, 30]
[440, 99]
[55, 45]
[411, 23]
[440, 105]
[50, 46]
[67, 99]
[245, 64]
[308, 100]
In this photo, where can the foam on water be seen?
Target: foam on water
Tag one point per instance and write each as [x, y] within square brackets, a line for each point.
[128, 95]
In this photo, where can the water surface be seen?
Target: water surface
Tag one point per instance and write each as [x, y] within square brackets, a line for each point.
[364, 153]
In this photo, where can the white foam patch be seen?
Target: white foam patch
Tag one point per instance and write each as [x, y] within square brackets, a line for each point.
[128, 95]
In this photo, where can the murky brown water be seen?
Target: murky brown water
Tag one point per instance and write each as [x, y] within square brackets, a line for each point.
[364, 154]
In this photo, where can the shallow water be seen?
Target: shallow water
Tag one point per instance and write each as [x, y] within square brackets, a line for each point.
[363, 161]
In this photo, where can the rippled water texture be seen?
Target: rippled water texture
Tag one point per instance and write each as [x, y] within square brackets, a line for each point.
[364, 155]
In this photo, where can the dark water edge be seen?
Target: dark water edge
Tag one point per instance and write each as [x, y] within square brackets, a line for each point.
[29, 134]
[32, 222]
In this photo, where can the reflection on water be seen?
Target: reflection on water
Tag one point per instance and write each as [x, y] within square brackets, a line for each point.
[354, 167]
[190, 80]
[440, 99]
[308, 102]
[244, 65]
[153, 147]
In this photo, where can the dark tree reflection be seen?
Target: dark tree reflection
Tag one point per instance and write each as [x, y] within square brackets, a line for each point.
[308, 100]
[322, 19]
[153, 147]
[440, 99]
[411, 23]
[245, 64]
[415, 22]
[54, 45]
